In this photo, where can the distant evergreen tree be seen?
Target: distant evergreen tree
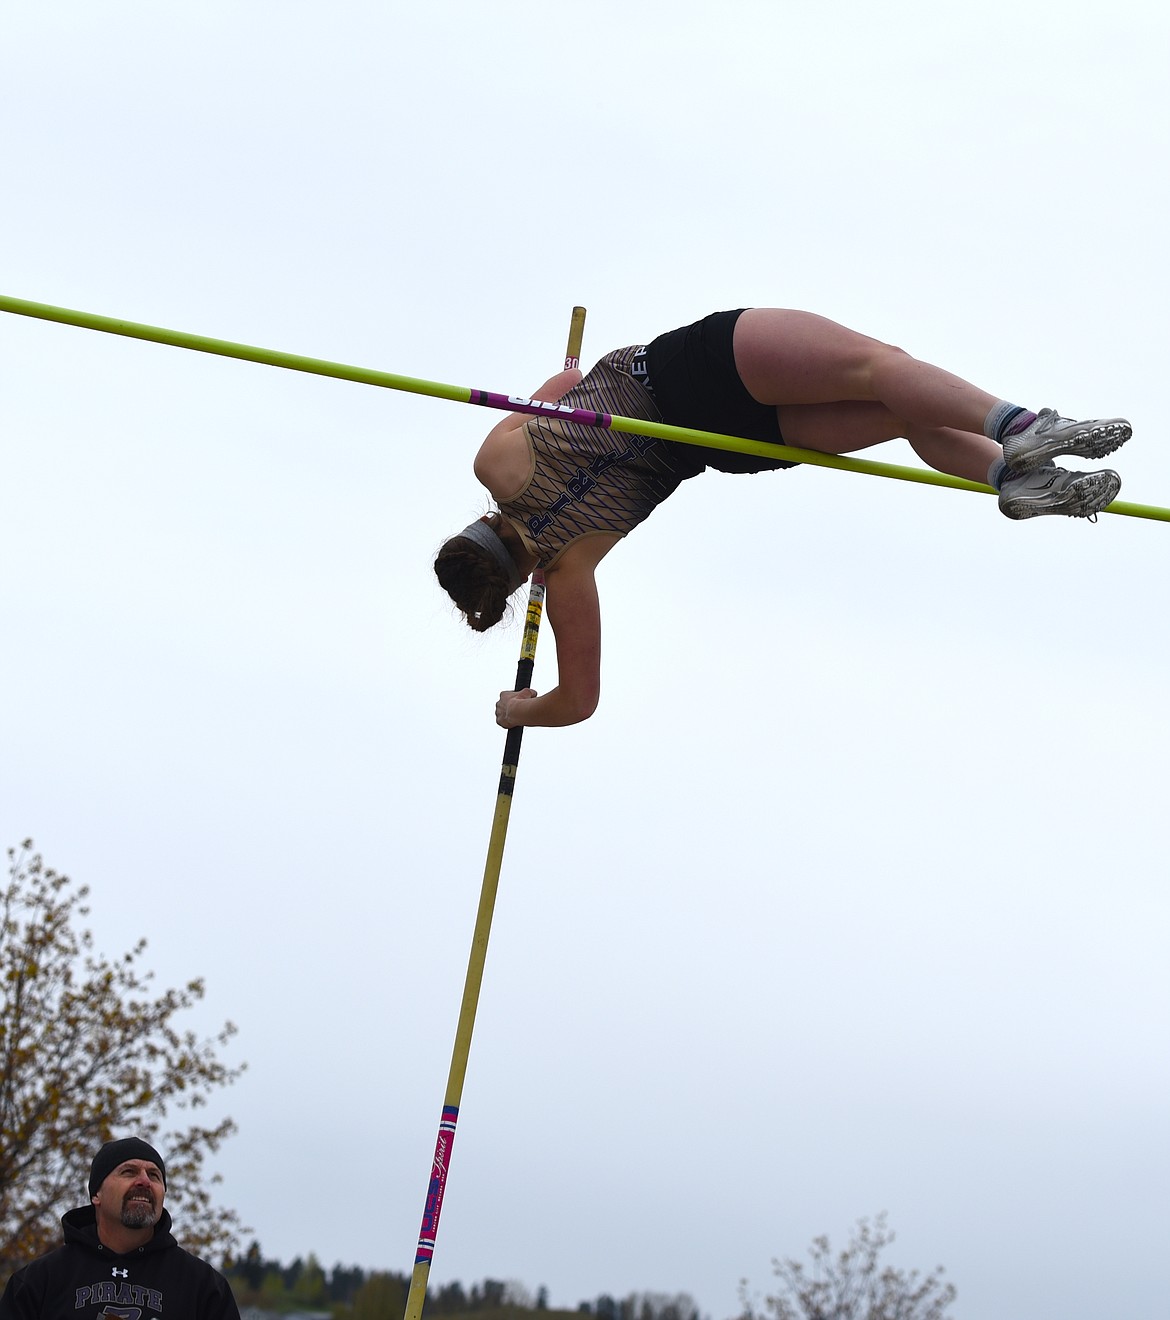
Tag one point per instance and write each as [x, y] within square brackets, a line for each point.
[252, 1266]
[449, 1299]
[344, 1282]
[381, 1297]
[310, 1290]
[606, 1308]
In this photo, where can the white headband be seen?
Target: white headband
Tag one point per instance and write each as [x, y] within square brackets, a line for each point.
[488, 539]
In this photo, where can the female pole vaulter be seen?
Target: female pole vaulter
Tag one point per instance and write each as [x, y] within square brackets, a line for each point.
[568, 493]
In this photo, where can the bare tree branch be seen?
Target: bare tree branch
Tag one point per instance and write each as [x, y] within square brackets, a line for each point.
[851, 1285]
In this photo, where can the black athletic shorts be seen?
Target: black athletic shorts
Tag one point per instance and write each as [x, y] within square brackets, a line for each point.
[694, 381]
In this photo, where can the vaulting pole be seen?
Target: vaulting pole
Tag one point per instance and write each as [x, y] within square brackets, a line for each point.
[511, 403]
[441, 1163]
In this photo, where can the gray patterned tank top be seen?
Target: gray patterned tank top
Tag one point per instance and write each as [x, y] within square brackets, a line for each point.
[587, 480]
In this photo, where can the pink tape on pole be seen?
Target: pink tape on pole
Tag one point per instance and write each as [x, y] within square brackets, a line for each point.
[438, 1185]
[517, 403]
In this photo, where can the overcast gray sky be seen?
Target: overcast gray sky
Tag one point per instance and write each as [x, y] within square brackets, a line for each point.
[852, 896]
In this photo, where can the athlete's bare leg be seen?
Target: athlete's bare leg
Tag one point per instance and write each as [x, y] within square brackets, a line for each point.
[786, 357]
[961, 453]
[837, 391]
[842, 428]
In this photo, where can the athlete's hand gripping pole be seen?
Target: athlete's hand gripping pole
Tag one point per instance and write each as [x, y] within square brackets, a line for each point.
[483, 922]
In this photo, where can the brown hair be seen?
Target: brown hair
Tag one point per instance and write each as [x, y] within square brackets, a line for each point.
[474, 580]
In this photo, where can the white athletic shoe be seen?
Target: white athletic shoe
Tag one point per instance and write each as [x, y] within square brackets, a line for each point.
[1051, 435]
[1055, 490]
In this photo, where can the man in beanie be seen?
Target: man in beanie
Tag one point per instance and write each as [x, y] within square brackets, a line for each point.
[119, 1257]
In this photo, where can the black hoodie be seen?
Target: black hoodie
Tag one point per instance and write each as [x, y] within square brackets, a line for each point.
[86, 1280]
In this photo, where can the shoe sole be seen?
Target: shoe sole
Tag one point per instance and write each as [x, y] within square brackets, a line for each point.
[1090, 442]
[1085, 497]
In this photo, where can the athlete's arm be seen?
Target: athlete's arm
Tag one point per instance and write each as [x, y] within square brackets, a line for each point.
[574, 613]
